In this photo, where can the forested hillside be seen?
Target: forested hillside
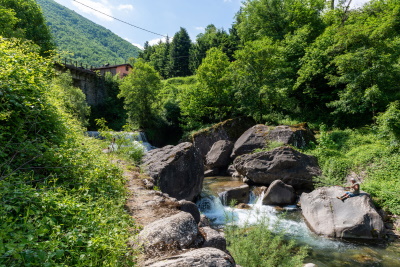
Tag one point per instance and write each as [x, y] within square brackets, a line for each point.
[88, 42]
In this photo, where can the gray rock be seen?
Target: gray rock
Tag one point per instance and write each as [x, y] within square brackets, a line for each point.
[230, 130]
[204, 222]
[310, 265]
[355, 217]
[237, 175]
[176, 232]
[219, 155]
[297, 135]
[253, 138]
[213, 238]
[231, 170]
[279, 193]
[177, 170]
[258, 190]
[190, 207]
[212, 172]
[241, 194]
[283, 163]
[198, 258]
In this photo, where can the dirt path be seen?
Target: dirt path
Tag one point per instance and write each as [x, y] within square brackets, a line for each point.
[145, 205]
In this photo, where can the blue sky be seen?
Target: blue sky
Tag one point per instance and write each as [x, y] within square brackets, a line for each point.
[161, 16]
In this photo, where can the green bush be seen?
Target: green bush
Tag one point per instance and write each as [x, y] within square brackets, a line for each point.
[383, 183]
[389, 122]
[61, 200]
[121, 143]
[256, 245]
[341, 151]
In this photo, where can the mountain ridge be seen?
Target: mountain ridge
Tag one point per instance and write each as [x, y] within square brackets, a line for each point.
[83, 40]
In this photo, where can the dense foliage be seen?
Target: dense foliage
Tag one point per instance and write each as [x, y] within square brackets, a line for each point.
[270, 249]
[85, 41]
[23, 19]
[181, 57]
[62, 201]
[334, 67]
[139, 90]
[296, 59]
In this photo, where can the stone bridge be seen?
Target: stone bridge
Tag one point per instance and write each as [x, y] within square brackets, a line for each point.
[91, 83]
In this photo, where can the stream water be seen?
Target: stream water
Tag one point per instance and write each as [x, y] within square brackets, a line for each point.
[323, 251]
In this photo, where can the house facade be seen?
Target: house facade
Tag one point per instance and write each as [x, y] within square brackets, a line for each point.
[122, 69]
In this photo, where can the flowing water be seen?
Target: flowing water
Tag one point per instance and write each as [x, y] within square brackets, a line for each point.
[136, 138]
[323, 251]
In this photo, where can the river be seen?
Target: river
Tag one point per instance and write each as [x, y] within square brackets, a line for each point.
[322, 251]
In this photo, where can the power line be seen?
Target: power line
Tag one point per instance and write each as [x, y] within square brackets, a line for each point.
[140, 28]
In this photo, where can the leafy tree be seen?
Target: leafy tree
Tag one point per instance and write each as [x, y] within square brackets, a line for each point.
[352, 67]
[71, 99]
[28, 23]
[179, 54]
[276, 18]
[389, 122]
[160, 59]
[211, 100]
[7, 21]
[259, 78]
[212, 37]
[139, 90]
[147, 51]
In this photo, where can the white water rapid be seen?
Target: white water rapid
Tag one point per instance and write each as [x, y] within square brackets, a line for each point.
[136, 139]
[220, 215]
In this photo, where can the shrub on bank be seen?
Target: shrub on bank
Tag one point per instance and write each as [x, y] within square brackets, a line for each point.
[62, 201]
[364, 152]
[270, 249]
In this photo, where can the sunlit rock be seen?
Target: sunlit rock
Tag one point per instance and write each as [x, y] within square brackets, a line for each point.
[355, 217]
[282, 163]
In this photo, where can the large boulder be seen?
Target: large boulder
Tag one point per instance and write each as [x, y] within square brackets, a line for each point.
[175, 232]
[229, 130]
[212, 238]
[219, 156]
[279, 193]
[282, 163]
[240, 194]
[177, 170]
[190, 207]
[198, 258]
[297, 135]
[355, 217]
[253, 138]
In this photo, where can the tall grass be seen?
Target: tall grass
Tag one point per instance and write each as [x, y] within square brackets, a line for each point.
[257, 246]
[365, 153]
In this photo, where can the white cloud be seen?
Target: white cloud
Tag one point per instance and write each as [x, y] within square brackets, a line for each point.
[125, 7]
[227, 1]
[104, 7]
[200, 28]
[156, 41]
[138, 45]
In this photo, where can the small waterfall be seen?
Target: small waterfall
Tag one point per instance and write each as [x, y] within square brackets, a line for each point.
[212, 207]
[252, 197]
[223, 197]
[137, 138]
[220, 214]
[141, 137]
[260, 199]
